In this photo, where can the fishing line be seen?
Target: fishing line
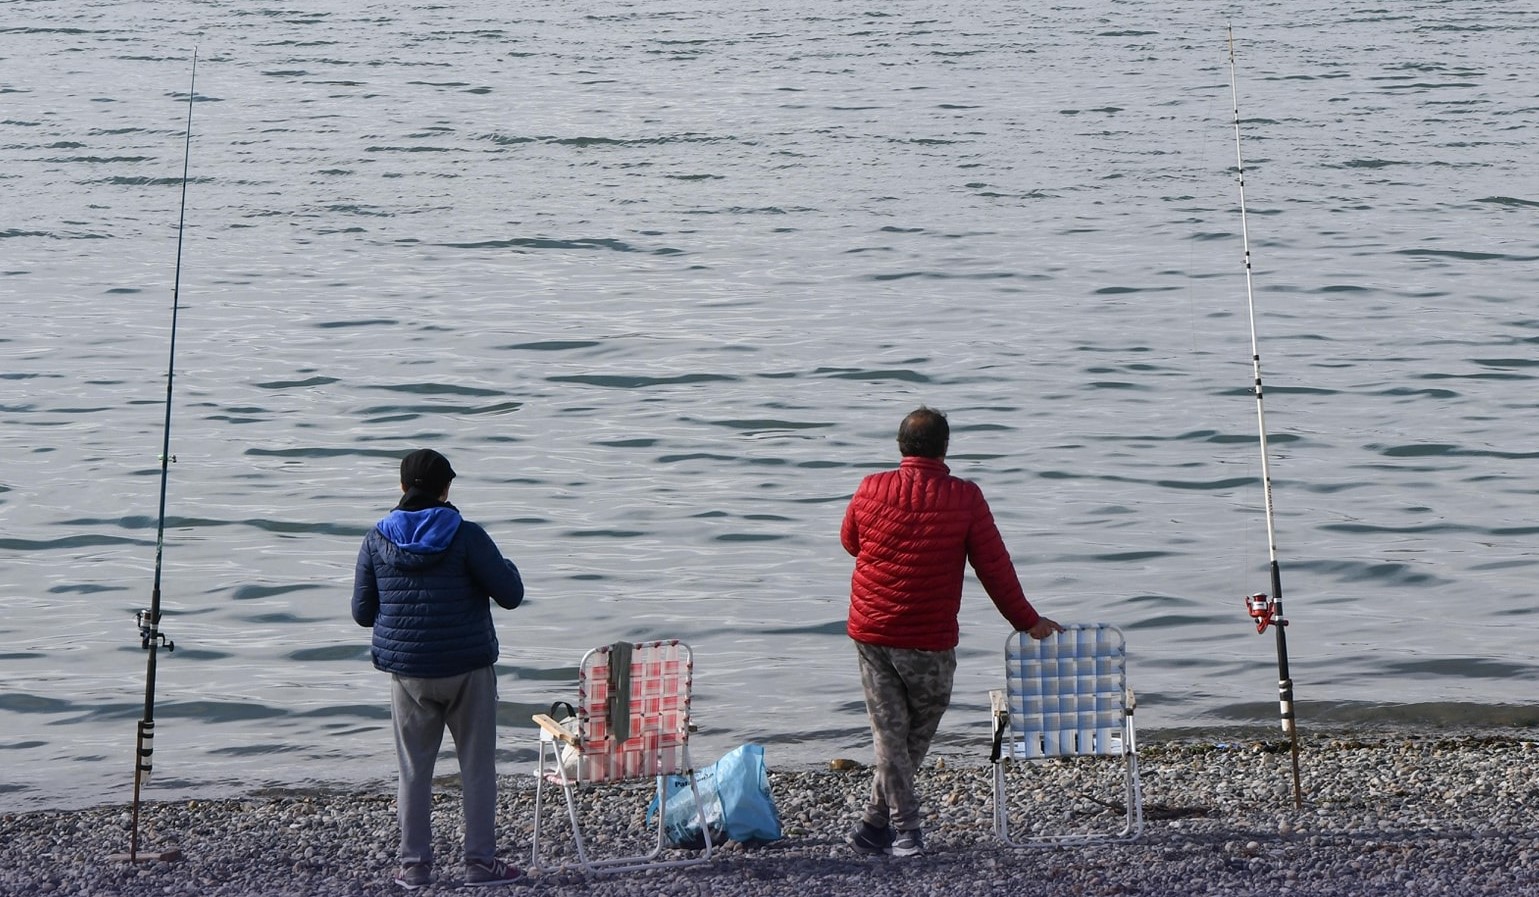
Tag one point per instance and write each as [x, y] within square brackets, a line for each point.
[1266, 611]
[150, 636]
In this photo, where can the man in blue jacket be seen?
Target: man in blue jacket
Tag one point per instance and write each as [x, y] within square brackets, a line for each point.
[425, 581]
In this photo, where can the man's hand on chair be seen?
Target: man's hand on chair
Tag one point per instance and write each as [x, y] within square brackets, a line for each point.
[1043, 628]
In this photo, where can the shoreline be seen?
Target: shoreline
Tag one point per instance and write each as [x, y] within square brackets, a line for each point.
[1385, 812]
[969, 747]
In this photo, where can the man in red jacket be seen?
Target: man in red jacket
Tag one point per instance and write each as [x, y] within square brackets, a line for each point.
[910, 531]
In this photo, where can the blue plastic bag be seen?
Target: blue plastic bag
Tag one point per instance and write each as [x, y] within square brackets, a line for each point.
[738, 806]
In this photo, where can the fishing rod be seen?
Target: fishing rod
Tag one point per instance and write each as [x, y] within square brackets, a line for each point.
[1266, 611]
[150, 636]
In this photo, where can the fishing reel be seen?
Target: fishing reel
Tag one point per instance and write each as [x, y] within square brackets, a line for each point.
[1264, 611]
[148, 634]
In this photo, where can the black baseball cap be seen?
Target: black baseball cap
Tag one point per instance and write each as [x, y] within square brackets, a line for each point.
[427, 470]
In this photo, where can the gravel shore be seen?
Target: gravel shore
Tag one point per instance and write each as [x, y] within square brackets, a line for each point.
[1383, 814]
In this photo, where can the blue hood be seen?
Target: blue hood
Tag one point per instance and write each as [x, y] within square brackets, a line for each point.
[428, 531]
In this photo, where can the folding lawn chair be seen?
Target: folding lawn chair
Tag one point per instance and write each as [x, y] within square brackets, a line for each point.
[632, 725]
[1066, 696]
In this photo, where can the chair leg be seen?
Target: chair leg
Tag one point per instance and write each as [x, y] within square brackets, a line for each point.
[539, 800]
[1135, 795]
[1133, 822]
[590, 864]
[1135, 800]
[1001, 814]
[541, 785]
[569, 790]
[694, 786]
[662, 815]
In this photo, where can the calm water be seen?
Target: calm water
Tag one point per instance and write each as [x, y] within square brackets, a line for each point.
[661, 279]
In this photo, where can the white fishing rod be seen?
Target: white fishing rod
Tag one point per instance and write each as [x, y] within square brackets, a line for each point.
[1266, 611]
[150, 636]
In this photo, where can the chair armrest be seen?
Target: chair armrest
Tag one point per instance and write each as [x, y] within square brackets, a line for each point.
[555, 729]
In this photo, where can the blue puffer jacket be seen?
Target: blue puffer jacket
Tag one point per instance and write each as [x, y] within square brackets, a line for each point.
[423, 582]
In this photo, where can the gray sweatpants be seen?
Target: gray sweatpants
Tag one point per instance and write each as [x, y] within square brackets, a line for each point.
[907, 693]
[421, 709]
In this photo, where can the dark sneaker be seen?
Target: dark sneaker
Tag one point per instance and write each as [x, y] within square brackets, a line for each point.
[494, 873]
[414, 875]
[870, 839]
[908, 844]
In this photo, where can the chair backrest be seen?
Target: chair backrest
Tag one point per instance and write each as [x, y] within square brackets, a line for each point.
[656, 730]
[1068, 692]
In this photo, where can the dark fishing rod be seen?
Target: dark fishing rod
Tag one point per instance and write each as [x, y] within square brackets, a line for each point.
[150, 636]
[1266, 611]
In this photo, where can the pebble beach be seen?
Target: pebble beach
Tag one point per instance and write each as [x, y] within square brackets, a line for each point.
[1382, 814]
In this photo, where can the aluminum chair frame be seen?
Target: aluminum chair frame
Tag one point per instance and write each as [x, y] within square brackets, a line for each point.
[655, 688]
[1066, 696]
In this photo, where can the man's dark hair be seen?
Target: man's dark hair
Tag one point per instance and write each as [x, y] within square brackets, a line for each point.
[924, 433]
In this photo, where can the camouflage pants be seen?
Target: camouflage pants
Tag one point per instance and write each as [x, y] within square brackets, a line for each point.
[907, 692]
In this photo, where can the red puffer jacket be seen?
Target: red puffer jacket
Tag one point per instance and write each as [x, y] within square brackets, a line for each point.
[910, 531]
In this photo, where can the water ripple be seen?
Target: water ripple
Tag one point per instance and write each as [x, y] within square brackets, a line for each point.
[666, 316]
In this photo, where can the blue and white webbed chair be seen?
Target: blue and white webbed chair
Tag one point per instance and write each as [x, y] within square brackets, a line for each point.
[1066, 699]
